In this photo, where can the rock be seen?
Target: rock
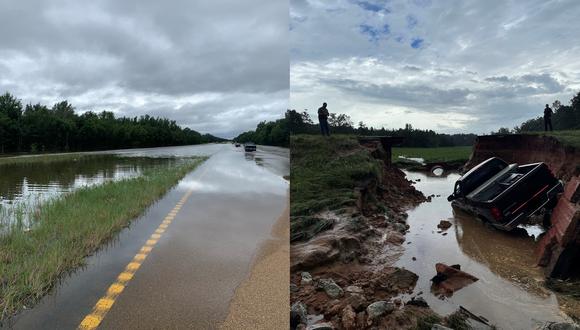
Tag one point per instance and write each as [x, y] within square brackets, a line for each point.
[401, 228]
[395, 238]
[418, 301]
[379, 308]
[321, 326]
[357, 301]
[306, 278]
[330, 287]
[444, 224]
[348, 318]
[299, 312]
[293, 287]
[354, 289]
[450, 279]
[413, 258]
[439, 327]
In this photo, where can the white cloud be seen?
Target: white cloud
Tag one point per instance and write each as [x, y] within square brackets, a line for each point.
[453, 66]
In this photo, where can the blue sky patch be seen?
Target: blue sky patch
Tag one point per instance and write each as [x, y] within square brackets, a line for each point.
[371, 6]
[417, 43]
[374, 33]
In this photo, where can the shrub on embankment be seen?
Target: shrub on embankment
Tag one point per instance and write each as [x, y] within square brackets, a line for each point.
[68, 229]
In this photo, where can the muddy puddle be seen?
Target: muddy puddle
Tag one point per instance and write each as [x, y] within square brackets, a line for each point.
[509, 292]
[24, 186]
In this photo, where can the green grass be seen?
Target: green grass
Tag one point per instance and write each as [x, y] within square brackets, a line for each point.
[325, 171]
[571, 137]
[442, 154]
[68, 229]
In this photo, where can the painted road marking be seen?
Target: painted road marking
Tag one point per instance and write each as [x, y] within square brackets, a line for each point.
[104, 304]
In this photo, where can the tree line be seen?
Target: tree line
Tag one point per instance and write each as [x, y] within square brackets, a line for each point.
[39, 128]
[278, 132]
[565, 117]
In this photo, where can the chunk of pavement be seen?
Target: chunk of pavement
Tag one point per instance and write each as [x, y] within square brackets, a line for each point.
[354, 289]
[439, 327]
[298, 312]
[444, 224]
[330, 287]
[306, 278]
[320, 326]
[379, 308]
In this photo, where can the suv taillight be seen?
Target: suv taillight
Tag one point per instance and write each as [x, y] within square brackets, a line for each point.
[496, 213]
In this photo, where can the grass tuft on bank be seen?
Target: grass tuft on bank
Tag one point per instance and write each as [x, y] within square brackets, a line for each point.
[68, 229]
[324, 171]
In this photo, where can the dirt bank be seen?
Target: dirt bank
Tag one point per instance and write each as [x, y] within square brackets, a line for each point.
[563, 160]
[342, 255]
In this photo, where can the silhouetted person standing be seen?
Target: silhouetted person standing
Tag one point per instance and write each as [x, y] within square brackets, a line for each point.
[548, 118]
[323, 120]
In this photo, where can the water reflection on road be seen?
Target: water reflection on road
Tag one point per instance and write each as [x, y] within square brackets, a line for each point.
[509, 292]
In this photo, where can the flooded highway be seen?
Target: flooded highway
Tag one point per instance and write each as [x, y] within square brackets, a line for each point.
[191, 274]
[509, 292]
[26, 185]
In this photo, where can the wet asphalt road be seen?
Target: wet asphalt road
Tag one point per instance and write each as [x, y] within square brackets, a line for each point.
[189, 278]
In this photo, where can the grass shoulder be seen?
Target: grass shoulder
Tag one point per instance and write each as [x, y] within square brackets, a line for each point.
[68, 229]
[568, 137]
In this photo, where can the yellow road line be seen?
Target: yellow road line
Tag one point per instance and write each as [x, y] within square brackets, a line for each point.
[103, 305]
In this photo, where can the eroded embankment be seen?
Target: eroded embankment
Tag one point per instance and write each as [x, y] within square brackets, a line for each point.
[348, 225]
[563, 160]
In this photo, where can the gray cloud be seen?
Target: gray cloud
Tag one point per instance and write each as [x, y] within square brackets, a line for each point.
[148, 50]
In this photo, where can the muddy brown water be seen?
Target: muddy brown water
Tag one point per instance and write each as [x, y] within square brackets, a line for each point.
[509, 292]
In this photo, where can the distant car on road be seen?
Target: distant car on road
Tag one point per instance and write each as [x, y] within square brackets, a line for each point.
[238, 145]
[249, 146]
[506, 195]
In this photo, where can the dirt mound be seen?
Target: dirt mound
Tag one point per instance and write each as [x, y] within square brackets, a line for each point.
[563, 160]
[342, 257]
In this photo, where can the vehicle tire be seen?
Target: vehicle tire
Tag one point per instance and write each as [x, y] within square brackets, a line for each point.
[546, 221]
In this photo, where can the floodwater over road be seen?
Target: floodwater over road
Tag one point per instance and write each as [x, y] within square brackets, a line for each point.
[509, 292]
[25, 185]
[190, 276]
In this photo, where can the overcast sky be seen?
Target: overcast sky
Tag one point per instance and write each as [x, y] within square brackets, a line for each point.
[451, 66]
[217, 66]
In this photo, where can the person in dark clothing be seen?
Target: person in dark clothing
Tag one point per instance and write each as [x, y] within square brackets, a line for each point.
[548, 118]
[323, 120]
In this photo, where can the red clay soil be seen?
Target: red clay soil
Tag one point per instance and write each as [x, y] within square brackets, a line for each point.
[356, 258]
[563, 160]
